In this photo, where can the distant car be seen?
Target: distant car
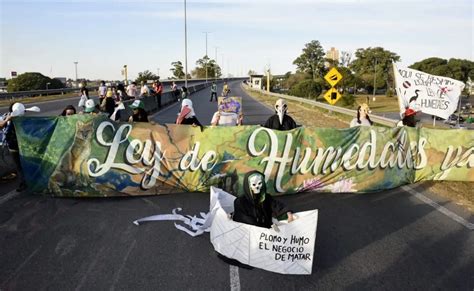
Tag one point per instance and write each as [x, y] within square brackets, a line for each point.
[454, 117]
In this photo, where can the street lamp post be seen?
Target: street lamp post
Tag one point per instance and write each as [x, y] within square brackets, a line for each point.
[375, 78]
[185, 48]
[206, 32]
[75, 65]
[215, 59]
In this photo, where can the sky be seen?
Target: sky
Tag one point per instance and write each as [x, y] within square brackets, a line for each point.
[103, 35]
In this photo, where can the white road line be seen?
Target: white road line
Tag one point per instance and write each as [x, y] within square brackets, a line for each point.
[234, 278]
[440, 208]
[8, 196]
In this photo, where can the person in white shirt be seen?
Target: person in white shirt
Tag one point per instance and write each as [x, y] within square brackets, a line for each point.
[132, 90]
[102, 91]
[226, 119]
[362, 118]
[145, 91]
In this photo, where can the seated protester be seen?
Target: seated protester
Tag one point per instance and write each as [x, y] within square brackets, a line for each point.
[108, 104]
[226, 119]
[90, 107]
[362, 116]
[409, 118]
[256, 207]
[281, 120]
[139, 113]
[69, 110]
[187, 115]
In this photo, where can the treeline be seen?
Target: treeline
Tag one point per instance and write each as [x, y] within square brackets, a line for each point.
[366, 68]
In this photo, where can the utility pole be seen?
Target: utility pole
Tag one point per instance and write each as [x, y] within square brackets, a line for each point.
[75, 64]
[206, 32]
[185, 48]
[215, 69]
[125, 72]
[375, 78]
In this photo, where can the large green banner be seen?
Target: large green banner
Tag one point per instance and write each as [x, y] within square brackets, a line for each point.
[92, 156]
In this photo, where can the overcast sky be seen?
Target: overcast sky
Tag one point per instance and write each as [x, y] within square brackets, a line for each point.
[103, 35]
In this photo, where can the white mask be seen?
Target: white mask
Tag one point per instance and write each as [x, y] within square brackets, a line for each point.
[281, 107]
[256, 184]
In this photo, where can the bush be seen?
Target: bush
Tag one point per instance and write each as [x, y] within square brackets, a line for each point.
[390, 92]
[307, 89]
[32, 81]
[348, 100]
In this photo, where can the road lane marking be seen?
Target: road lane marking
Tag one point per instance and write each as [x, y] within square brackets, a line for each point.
[8, 196]
[440, 208]
[234, 278]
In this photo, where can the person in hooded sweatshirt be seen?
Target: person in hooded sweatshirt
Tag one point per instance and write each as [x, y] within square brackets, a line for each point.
[256, 207]
[280, 120]
[187, 115]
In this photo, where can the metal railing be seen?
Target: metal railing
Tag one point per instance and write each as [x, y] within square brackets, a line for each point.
[377, 119]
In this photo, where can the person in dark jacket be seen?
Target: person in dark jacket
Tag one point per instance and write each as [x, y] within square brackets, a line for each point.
[139, 113]
[256, 207]
[280, 120]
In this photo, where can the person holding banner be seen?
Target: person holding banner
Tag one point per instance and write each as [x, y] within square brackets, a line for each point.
[280, 120]
[256, 207]
[409, 118]
[139, 113]
[362, 118]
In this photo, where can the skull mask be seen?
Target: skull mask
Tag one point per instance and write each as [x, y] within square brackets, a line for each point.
[281, 108]
[256, 184]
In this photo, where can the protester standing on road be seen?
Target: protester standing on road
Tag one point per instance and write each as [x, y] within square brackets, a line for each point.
[362, 118]
[132, 90]
[225, 89]
[175, 91]
[83, 99]
[144, 91]
[139, 113]
[102, 91]
[158, 92]
[108, 103]
[122, 95]
[213, 91]
[184, 93]
[68, 110]
[16, 109]
[280, 120]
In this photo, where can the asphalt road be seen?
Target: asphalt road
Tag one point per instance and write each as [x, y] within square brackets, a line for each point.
[395, 240]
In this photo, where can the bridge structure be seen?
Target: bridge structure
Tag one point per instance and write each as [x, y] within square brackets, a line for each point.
[404, 238]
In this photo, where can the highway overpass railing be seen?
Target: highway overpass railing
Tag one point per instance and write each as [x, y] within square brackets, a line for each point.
[377, 119]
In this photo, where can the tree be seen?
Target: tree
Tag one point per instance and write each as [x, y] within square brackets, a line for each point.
[213, 69]
[32, 81]
[311, 60]
[454, 68]
[374, 59]
[251, 72]
[307, 89]
[177, 70]
[145, 76]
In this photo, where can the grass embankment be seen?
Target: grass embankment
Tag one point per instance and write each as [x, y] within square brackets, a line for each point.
[27, 100]
[459, 192]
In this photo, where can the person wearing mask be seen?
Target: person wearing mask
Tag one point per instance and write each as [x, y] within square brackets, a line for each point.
[15, 109]
[187, 115]
[213, 91]
[82, 100]
[226, 119]
[68, 110]
[362, 118]
[139, 114]
[256, 206]
[280, 120]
